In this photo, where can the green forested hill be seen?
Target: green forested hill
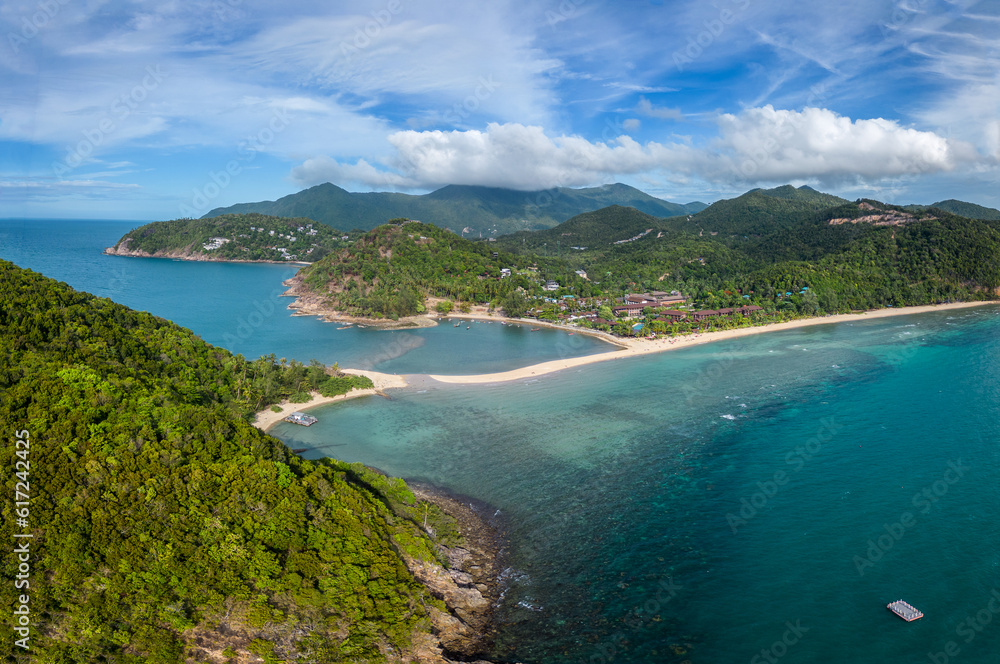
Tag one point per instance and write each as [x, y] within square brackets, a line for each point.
[756, 212]
[592, 230]
[390, 271]
[782, 252]
[853, 256]
[803, 194]
[473, 211]
[963, 209]
[164, 524]
[248, 237]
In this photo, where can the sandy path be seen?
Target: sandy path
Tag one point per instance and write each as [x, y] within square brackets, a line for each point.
[636, 347]
[267, 418]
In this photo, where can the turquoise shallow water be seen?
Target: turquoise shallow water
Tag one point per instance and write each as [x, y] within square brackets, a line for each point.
[756, 500]
[617, 481]
[239, 307]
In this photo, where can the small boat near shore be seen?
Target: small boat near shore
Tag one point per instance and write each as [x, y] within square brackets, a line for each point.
[904, 610]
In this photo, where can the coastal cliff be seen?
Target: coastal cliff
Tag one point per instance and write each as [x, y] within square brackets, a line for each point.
[469, 585]
[310, 302]
[123, 248]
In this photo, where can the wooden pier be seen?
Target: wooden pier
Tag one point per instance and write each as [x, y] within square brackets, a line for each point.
[906, 611]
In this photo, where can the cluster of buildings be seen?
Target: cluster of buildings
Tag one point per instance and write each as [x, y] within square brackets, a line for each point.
[634, 306]
[307, 229]
[214, 243]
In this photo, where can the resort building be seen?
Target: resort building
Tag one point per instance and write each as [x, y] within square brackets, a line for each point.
[630, 310]
[655, 299]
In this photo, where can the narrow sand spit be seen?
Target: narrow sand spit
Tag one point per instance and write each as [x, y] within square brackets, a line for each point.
[634, 347]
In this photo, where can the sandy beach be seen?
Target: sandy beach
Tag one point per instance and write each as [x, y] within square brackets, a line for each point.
[267, 418]
[634, 347]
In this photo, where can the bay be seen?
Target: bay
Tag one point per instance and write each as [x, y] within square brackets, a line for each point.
[239, 306]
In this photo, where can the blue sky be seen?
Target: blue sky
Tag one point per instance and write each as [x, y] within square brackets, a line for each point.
[157, 110]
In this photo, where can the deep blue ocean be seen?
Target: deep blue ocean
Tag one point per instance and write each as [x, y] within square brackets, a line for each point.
[755, 500]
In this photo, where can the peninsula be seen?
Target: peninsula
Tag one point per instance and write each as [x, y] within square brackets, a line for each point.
[158, 509]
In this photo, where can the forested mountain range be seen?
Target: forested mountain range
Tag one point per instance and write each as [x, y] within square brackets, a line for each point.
[471, 211]
[794, 249]
[800, 252]
[962, 209]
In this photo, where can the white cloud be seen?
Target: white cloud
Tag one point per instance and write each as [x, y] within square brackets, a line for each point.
[645, 107]
[757, 145]
[764, 144]
[326, 169]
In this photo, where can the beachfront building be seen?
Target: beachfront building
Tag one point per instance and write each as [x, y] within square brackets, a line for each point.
[655, 299]
[630, 310]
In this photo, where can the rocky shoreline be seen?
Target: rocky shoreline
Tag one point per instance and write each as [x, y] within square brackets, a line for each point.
[184, 255]
[470, 586]
[308, 303]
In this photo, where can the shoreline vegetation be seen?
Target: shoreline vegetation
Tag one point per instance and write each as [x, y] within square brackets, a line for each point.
[628, 347]
[267, 418]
